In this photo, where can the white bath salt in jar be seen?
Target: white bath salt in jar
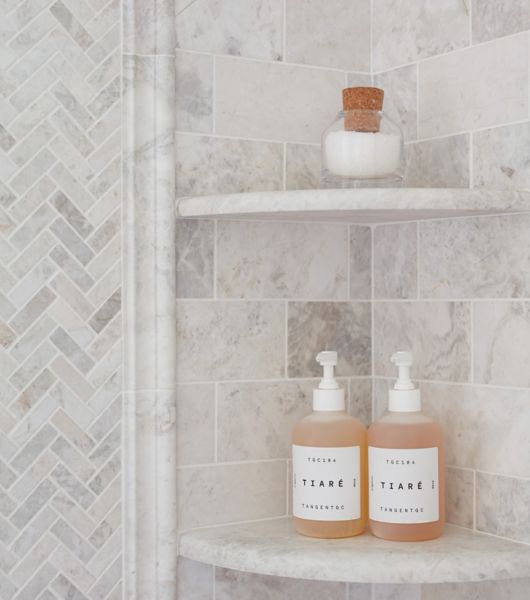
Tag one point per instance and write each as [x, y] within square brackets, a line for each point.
[362, 147]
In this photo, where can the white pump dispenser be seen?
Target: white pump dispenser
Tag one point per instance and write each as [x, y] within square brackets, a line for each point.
[328, 395]
[405, 396]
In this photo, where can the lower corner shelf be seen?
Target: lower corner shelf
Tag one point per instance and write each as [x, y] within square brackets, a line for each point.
[272, 547]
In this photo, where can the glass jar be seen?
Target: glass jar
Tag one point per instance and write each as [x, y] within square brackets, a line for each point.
[362, 147]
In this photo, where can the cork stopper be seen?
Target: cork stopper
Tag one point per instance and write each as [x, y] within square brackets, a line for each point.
[362, 106]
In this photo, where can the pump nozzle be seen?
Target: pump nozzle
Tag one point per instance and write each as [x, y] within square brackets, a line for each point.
[404, 397]
[403, 361]
[328, 395]
[328, 360]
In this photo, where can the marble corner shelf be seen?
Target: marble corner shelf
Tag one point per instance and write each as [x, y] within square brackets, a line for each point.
[368, 205]
[273, 548]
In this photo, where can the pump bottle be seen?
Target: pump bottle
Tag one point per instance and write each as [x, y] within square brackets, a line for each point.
[329, 464]
[406, 465]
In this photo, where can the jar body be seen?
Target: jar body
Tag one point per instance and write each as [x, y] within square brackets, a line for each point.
[362, 148]
[329, 433]
[417, 437]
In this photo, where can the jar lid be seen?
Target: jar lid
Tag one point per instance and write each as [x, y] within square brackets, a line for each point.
[362, 98]
[361, 107]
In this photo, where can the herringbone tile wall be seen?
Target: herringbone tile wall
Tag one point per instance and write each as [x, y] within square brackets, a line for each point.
[60, 325]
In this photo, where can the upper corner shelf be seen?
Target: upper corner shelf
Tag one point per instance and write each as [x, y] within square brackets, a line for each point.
[273, 548]
[365, 205]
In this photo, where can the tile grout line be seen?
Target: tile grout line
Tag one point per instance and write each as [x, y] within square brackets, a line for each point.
[472, 342]
[474, 500]
[460, 50]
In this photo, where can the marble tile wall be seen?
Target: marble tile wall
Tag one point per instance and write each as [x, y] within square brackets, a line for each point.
[257, 83]
[467, 321]
[455, 291]
[456, 77]
[60, 315]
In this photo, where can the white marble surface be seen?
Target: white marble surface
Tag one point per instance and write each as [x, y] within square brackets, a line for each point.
[273, 548]
[478, 87]
[369, 205]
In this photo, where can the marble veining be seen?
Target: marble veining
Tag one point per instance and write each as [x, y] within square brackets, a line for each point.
[281, 260]
[496, 18]
[438, 333]
[400, 101]
[395, 261]
[252, 28]
[500, 157]
[246, 91]
[502, 506]
[302, 167]
[438, 163]
[194, 256]
[480, 86]
[273, 548]
[230, 340]
[341, 326]
[244, 491]
[408, 30]
[475, 258]
[194, 92]
[335, 33]
[206, 165]
[501, 332]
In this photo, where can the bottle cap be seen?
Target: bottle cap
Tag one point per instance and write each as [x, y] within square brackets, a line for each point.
[405, 396]
[328, 395]
[362, 106]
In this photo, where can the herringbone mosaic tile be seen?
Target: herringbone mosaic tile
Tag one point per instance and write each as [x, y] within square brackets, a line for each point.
[60, 404]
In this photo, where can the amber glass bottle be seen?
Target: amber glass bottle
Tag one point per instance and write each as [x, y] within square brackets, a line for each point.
[406, 466]
[330, 497]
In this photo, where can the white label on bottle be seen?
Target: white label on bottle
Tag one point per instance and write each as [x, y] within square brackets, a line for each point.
[403, 485]
[326, 483]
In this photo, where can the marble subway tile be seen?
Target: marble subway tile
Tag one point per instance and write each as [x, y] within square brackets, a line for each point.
[194, 92]
[501, 333]
[255, 420]
[360, 262]
[335, 33]
[479, 257]
[512, 589]
[236, 585]
[194, 255]
[496, 18]
[341, 326]
[442, 162]
[252, 28]
[400, 101]
[302, 167]
[500, 157]
[145, 27]
[473, 417]
[230, 340]
[502, 506]
[207, 165]
[408, 30]
[438, 333]
[194, 580]
[459, 491]
[478, 87]
[227, 493]
[402, 591]
[281, 260]
[359, 79]
[359, 591]
[360, 400]
[246, 91]
[395, 261]
[195, 424]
